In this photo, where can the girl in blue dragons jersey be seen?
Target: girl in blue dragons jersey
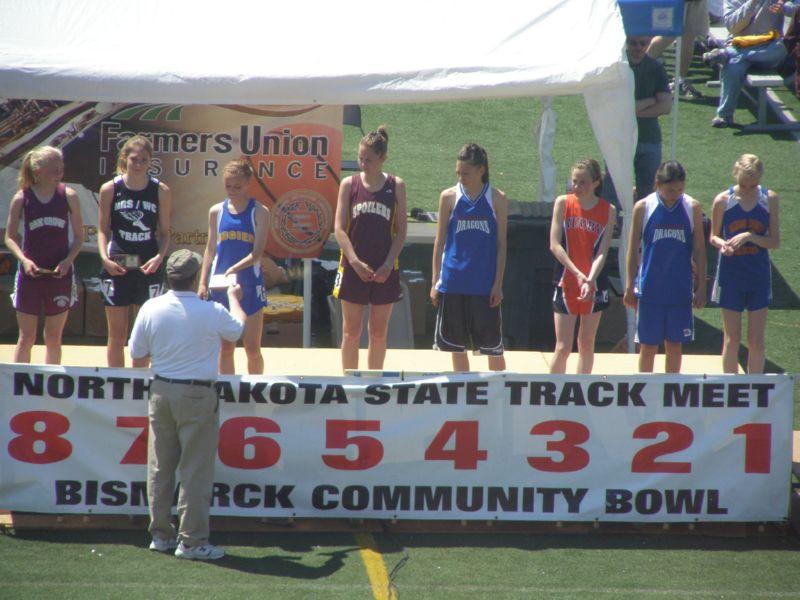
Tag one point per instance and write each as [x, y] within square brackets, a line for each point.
[668, 227]
[469, 260]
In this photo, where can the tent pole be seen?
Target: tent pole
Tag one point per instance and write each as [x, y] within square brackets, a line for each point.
[676, 92]
[307, 264]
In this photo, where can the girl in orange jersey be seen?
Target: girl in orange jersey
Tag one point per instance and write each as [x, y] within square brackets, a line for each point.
[580, 234]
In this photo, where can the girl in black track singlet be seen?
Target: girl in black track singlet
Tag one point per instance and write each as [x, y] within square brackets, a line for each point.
[132, 238]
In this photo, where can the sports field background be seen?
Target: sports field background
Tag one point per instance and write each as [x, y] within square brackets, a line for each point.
[639, 564]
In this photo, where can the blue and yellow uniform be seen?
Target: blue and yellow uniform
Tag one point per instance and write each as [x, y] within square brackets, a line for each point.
[744, 279]
[236, 234]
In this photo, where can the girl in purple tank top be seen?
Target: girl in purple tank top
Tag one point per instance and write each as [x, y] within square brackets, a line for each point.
[370, 228]
[45, 281]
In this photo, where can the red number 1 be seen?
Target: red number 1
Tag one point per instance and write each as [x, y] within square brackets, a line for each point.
[757, 446]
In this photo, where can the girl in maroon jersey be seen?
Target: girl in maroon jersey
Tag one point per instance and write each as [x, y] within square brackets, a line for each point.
[45, 282]
[370, 227]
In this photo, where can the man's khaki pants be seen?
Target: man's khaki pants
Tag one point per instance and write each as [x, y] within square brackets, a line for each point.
[184, 430]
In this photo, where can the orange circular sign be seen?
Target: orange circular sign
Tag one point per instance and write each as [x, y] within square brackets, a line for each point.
[301, 222]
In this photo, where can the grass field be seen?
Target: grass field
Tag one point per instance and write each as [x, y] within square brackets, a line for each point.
[116, 565]
[424, 139]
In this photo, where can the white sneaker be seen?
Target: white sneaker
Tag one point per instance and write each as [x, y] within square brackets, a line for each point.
[163, 544]
[204, 552]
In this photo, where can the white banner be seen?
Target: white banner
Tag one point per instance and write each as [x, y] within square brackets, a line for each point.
[504, 446]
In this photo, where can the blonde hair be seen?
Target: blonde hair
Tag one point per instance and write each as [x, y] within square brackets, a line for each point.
[33, 162]
[137, 142]
[238, 168]
[748, 164]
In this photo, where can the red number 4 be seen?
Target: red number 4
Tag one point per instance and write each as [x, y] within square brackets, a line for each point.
[465, 453]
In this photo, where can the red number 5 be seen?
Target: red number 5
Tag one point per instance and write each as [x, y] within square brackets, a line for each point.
[369, 450]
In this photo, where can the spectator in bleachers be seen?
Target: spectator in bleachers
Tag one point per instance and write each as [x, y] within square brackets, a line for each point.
[695, 24]
[48, 212]
[792, 42]
[755, 28]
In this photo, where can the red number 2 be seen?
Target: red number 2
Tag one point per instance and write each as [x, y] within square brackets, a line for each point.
[679, 437]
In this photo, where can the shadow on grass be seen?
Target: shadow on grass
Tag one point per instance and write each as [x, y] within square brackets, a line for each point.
[395, 543]
[294, 548]
[708, 340]
[286, 565]
[297, 544]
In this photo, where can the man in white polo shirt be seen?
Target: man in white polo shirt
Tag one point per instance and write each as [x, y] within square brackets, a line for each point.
[181, 334]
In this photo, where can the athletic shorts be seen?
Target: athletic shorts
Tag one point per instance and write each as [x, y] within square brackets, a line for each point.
[467, 322]
[568, 304]
[51, 295]
[658, 322]
[740, 300]
[132, 288]
[348, 286]
[695, 20]
[254, 299]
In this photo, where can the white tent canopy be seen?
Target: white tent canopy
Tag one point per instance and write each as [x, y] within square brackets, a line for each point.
[308, 52]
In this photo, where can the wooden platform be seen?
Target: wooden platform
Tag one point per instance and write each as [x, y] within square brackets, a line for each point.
[19, 521]
[327, 361]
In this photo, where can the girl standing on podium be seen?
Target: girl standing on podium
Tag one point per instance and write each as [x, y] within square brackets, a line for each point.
[237, 235]
[744, 227]
[660, 281]
[580, 235]
[370, 228]
[48, 212]
[132, 239]
[469, 262]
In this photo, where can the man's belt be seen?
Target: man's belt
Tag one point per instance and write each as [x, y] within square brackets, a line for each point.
[203, 382]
